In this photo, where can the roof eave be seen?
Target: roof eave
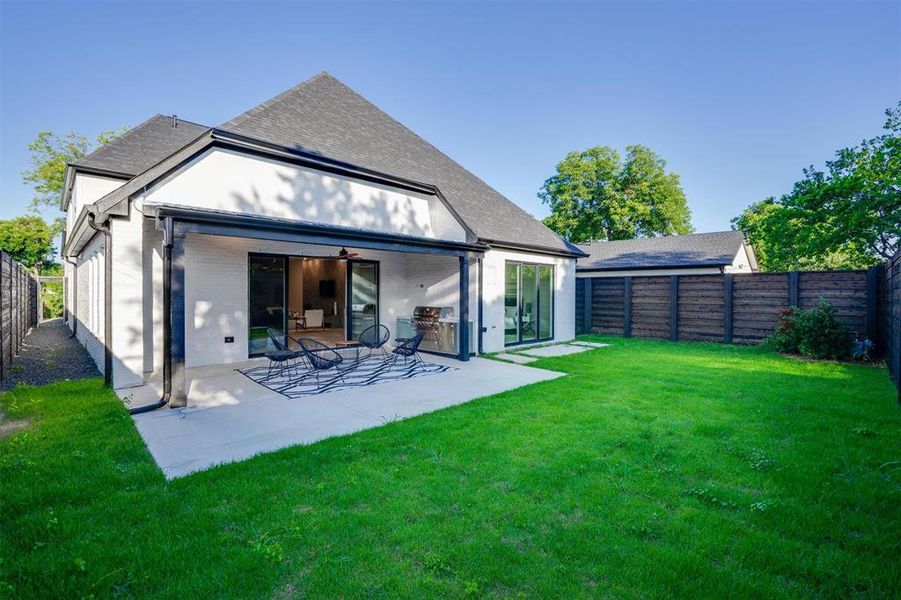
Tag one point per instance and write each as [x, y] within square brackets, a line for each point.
[537, 249]
[705, 265]
[72, 169]
[190, 214]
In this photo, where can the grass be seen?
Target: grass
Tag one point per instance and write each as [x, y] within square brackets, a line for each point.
[653, 469]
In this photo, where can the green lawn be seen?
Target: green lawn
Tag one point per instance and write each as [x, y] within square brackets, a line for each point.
[653, 469]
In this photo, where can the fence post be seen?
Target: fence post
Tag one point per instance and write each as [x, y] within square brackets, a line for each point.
[627, 307]
[872, 304]
[674, 309]
[794, 279]
[727, 308]
[586, 300]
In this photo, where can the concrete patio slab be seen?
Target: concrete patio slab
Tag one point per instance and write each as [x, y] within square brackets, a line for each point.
[555, 350]
[231, 418]
[590, 344]
[517, 358]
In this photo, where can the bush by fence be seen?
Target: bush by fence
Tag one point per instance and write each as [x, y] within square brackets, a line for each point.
[731, 308]
[18, 308]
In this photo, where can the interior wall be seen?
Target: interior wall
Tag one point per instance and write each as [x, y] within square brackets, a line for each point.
[314, 270]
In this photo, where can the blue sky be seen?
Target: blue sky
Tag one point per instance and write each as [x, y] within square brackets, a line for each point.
[737, 97]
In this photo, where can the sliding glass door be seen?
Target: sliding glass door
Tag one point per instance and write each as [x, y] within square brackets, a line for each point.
[363, 308]
[528, 302]
[266, 295]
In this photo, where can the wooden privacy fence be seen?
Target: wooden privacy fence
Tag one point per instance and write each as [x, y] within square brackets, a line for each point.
[18, 308]
[731, 308]
[892, 312]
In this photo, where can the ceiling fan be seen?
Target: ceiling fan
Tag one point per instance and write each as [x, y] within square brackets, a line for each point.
[343, 254]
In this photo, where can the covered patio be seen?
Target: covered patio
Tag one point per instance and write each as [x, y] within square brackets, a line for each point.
[230, 417]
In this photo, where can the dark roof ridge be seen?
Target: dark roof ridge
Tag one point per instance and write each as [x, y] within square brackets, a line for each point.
[263, 106]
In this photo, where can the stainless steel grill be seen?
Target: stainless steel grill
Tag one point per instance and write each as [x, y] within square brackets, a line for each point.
[426, 320]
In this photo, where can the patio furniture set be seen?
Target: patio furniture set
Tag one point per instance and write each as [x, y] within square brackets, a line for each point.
[329, 364]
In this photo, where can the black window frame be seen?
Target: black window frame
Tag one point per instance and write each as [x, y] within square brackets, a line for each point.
[519, 302]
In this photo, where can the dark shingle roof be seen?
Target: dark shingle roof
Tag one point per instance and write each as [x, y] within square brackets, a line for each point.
[695, 250]
[142, 147]
[323, 115]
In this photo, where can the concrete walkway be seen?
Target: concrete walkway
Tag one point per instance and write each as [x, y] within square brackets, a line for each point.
[48, 355]
[231, 418]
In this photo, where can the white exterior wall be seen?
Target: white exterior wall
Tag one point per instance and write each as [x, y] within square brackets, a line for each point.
[128, 300]
[741, 263]
[225, 180]
[87, 189]
[89, 310]
[216, 292]
[493, 295]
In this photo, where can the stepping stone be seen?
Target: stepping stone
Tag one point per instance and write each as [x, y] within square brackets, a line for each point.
[520, 360]
[557, 350]
[590, 344]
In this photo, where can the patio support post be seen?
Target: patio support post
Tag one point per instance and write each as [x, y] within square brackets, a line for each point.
[463, 324]
[179, 397]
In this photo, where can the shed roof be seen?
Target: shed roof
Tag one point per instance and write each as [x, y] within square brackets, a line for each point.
[717, 248]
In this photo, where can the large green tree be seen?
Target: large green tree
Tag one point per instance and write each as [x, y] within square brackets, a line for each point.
[27, 239]
[845, 216]
[597, 194]
[49, 155]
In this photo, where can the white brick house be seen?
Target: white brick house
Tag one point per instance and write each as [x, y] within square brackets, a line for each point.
[314, 211]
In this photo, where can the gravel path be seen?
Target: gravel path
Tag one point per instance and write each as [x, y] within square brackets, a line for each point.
[49, 355]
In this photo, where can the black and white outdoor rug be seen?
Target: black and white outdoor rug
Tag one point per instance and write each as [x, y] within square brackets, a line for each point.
[370, 371]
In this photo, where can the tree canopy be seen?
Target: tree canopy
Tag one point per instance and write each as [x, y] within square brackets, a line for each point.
[27, 239]
[846, 216]
[49, 155]
[597, 195]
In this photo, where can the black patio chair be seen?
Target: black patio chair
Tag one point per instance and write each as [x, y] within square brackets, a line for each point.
[323, 359]
[409, 348]
[375, 338]
[282, 357]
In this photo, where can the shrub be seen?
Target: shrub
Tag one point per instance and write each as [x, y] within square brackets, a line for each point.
[815, 332]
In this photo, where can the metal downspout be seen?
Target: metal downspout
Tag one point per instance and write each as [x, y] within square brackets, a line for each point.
[107, 297]
[167, 322]
[74, 314]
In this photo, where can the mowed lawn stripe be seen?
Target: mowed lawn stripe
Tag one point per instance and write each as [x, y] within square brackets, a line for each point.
[652, 469]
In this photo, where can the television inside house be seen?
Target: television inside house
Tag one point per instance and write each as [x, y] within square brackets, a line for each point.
[327, 288]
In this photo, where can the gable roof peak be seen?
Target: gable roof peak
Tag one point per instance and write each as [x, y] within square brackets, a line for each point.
[324, 116]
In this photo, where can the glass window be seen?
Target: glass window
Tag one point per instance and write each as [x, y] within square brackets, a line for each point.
[364, 297]
[546, 302]
[528, 302]
[511, 303]
[266, 293]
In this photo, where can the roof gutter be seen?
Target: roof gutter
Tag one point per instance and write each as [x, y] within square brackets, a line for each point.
[652, 267]
[183, 214]
[534, 248]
